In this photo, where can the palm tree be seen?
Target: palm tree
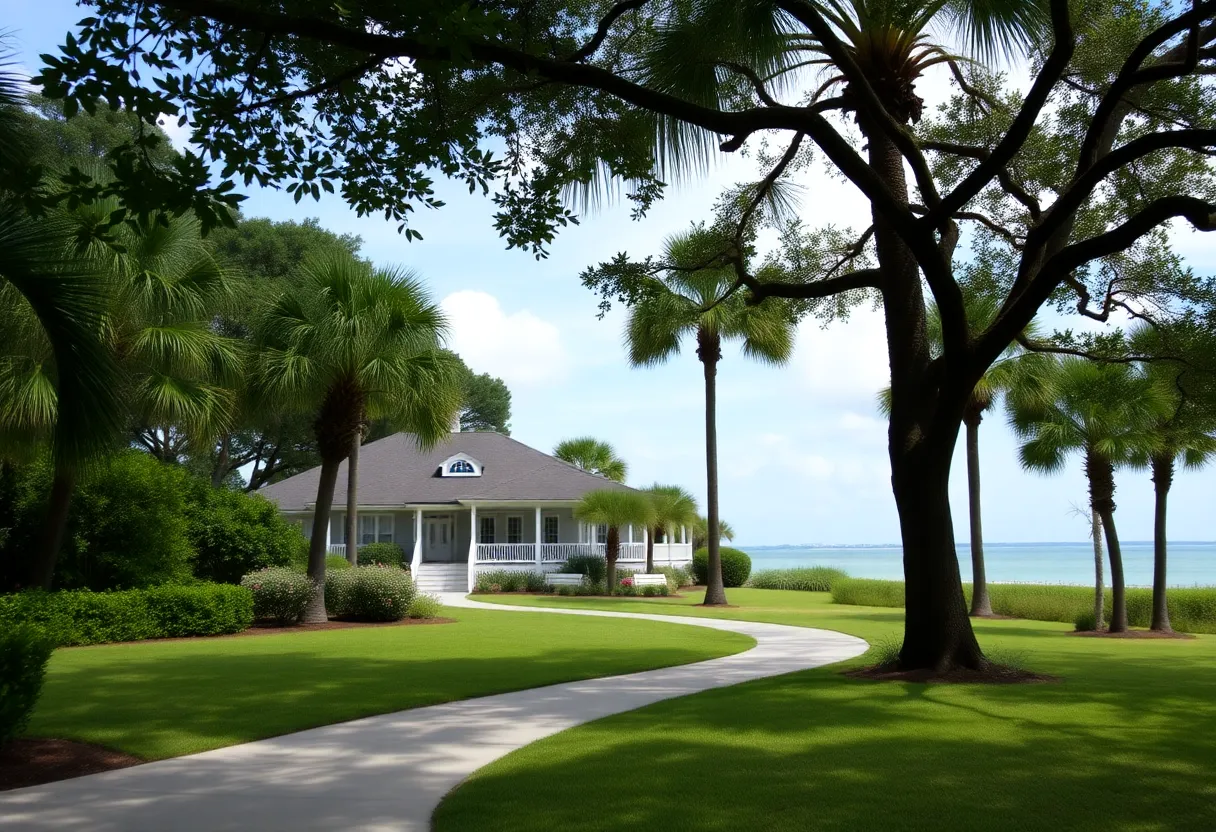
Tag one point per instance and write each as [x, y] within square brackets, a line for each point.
[696, 300]
[593, 456]
[673, 506]
[1182, 432]
[699, 531]
[350, 344]
[1104, 412]
[1014, 364]
[615, 508]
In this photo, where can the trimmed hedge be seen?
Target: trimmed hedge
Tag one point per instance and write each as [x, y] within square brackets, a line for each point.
[369, 593]
[280, 594]
[24, 652]
[386, 554]
[510, 580]
[736, 566]
[804, 579]
[76, 617]
[1192, 610]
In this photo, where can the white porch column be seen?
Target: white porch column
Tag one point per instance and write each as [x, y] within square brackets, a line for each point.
[328, 529]
[629, 534]
[416, 557]
[683, 534]
[538, 539]
[472, 547]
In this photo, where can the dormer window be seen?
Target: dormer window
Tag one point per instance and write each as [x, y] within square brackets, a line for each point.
[460, 465]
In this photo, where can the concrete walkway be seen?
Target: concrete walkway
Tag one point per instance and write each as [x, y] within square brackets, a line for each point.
[390, 771]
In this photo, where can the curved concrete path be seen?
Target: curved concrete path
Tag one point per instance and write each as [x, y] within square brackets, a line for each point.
[390, 771]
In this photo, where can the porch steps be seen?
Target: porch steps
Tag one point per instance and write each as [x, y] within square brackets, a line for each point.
[442, 577]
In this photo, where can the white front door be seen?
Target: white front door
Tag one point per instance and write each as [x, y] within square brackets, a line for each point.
[437, 535]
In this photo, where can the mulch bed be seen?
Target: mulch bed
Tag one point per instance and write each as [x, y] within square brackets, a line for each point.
[1129, 634]
[994, 675]
[30, 762]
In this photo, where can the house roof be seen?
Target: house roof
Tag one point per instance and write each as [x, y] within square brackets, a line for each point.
[393, 471]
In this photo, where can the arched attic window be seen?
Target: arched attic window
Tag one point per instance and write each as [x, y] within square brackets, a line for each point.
[460, 465]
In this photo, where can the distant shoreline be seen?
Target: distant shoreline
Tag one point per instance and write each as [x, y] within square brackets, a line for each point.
[961, 545]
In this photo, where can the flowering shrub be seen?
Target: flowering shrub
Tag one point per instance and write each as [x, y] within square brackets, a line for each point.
[369, 593]
[280, 594]
[627, 581]
[424, 606]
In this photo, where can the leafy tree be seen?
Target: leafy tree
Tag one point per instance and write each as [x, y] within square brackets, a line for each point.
[696, 301]
[593, 456]
[1064, 182]
[58, 142]
[1013, 365]
[349, 344]
[673, 506]
[615, 508]
[487, 404]
[1106, 413]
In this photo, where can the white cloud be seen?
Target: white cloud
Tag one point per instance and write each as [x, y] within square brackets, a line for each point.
[846, 363]
[179, 136]
[521, 348]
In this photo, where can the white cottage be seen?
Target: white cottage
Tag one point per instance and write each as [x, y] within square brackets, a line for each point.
[475, 501]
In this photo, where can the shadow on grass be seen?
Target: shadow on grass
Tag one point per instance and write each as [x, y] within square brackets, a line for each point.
[817, 751]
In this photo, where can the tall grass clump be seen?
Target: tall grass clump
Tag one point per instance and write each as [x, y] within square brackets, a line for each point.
[804, 579]
[865, 592]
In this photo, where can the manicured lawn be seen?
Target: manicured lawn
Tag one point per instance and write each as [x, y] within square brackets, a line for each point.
[163, 699]
[1123, 742]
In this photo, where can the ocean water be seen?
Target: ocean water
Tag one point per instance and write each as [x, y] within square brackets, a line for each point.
[1190, 564]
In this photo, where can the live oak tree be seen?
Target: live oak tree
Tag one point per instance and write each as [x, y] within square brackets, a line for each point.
[1107, 143]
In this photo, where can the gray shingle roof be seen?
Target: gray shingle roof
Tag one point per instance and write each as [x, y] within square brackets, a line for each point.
[393, 472]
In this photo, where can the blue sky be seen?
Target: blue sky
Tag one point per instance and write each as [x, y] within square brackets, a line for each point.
[802, 448]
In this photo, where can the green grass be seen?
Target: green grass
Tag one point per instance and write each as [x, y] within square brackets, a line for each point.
[803, 579]
[163, 699]
[1123, 743]
[1192, 610]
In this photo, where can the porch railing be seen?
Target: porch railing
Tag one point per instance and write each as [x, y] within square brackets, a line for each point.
[553, 552]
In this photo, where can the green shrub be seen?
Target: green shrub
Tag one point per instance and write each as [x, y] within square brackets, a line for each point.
[595, 567]
[653, 591]
[369, 593]
[280, 595]
[510, 580]
[803, 579]
[76, 617]
[386, 554]
[677, 577]
[424, 605]
[24, 652]
[736, 566]
[1085, 622]
[333, 563]
[865, 592]
[234, 533]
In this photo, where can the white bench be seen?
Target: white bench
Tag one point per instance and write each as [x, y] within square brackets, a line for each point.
[563, 579]
[649, 580]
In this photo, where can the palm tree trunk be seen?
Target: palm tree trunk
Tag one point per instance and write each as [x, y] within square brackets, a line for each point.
[981, 604]
[709, 350]
[352, 501]
[650, 550]
[1163, 478]
[1101, 474]
[926, 415]
[1095, 531]
[53, 532]
[220, 469]
[612, 549]
[315, 614]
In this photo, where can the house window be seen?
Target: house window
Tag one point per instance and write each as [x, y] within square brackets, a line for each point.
[552, 525]
[461, 466]
[601, 533]
[375, 528]
[515, 530]
[485, 530]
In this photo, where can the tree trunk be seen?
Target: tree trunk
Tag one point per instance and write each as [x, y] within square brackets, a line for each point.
[612, 549]
[981, 604]
[1095, 531]
[60, 500]
[315, 614]
[926, 415]
[709, 350]
[1101, 475]
[1163, 478]
[220, 469]
[352, 501]
[650, 550]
